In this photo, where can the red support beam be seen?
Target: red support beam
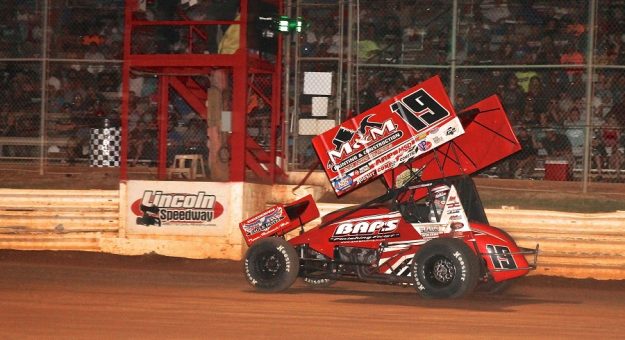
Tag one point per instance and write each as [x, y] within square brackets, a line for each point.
[239, 102]
[123, 173]
[163, 122]
[198, 105]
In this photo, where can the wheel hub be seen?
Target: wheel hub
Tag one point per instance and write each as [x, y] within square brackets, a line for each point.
[443, 270]
[272, 264]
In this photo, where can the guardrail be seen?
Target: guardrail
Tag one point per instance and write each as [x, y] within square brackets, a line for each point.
[57, 219]
[571, 244]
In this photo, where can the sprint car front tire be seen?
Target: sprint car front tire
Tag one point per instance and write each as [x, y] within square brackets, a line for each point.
[445, 268]
[271, 265]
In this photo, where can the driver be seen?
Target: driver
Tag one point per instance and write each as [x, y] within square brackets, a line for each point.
[439, 198]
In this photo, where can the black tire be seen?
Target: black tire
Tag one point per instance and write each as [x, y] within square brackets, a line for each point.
[445, 268]
[271, 265]
[318, 282]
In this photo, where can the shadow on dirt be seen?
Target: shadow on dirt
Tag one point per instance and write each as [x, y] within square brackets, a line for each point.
[397, 296]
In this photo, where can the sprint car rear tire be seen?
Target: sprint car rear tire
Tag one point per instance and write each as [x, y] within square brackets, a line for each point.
[271, 265]
[445, 268]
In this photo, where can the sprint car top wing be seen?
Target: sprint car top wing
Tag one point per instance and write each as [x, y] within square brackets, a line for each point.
[410, 124]
[488, 138]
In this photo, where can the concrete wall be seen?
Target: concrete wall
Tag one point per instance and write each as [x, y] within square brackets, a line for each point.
[572, 245]
[94, 220]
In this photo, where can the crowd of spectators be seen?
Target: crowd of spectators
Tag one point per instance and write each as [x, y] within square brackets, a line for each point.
[497, 32]
[83, 74]
[82, 80]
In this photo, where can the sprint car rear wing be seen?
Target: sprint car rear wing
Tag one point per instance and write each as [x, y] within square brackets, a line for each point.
[410, 124]
[488, 138]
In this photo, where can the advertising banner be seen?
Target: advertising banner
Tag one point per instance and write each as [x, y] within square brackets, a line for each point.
[394, 132]
[178, 208]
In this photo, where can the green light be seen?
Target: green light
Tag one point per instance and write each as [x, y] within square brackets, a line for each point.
[288, 25]
[283, 24]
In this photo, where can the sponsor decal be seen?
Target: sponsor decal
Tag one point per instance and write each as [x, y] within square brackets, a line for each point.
[342, 183]
[429, 231]
[421, 136]
[419, 109]
[501, 257]
[263, 221]
[437, 140]
[355, 231]
[455, 217]
[159, 208]
[424, 145]
[434, 131]
[350, 146]
[456, 225]
[450, 131]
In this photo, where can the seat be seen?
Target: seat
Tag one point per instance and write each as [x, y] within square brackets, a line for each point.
[187, 166]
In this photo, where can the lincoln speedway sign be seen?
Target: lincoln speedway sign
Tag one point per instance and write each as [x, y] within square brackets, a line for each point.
[391, 133]
[176, 207]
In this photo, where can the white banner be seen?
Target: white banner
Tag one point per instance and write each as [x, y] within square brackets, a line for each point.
[178, 208]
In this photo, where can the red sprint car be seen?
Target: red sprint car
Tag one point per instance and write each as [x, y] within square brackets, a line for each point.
[429, 230]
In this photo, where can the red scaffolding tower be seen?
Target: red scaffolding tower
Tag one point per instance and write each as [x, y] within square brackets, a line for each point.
[175, 71]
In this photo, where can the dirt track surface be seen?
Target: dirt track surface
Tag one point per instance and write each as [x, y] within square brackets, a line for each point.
[85, 295]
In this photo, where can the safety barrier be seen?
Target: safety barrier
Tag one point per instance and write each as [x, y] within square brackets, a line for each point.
[571, 244]
[57, 219]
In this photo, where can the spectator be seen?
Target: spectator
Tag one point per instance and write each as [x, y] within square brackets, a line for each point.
[259, 118]
[495, 11]
[577, 86]
[547, 53]
[196, 139]
[55, 97]
[367, 47]
[565, 102]
[554, 84]
[93, 54]
[598, 154]
[11, 128]
[366, 94]
[329, 42]
[140, 144]
[572, 55]
[611, 135]
[558, 147]
[513, 96]
[229, 44]
[524, 161]
[528, 116]
[505, 53]
[574, 118]
[536, 95]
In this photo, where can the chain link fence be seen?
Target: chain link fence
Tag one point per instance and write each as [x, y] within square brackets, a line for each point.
[556, 65]
[60, 88]
[54, 93]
